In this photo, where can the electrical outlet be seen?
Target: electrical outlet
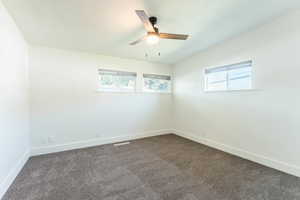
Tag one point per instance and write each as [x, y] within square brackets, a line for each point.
[98, 135]
[50, 140]
[44, 141]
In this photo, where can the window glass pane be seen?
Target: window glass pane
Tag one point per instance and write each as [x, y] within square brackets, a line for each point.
[127, 82]
[157, 85]
[229, 77]
[240, 78]
[116, 82]
[216, 81]
[107, 82]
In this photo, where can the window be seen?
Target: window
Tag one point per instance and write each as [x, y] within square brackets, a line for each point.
[157, 83]
[116, 81]
[230, 77]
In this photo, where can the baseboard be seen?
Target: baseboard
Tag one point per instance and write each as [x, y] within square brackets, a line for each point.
[269, 162]
[94, 142]
[5, 184]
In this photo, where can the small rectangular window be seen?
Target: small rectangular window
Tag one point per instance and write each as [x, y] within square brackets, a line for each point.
[116, 81]
[230, 77]
[157, 83]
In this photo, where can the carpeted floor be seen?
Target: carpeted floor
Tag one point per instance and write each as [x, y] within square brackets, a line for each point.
[158, 168]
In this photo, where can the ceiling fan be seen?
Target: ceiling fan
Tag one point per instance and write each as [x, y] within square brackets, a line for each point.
[153, 34]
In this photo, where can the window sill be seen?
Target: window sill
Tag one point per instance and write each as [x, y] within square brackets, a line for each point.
[231, 91]
[155, 92]
[127, 92]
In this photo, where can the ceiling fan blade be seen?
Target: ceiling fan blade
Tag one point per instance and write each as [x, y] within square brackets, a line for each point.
[138, 41]
[173, 36]
[145, 20]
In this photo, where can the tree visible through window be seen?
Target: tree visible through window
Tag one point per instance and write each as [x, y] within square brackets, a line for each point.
[116, 81]
[157, 83]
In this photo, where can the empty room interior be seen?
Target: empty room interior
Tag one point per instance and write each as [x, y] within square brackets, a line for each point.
[149, 100]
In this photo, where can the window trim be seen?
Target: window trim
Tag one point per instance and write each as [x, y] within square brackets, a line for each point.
[228, 66]
[157, 75]
[134, 74]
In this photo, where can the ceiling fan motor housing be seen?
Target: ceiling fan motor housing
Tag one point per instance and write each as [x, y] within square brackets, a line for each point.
[153, 20]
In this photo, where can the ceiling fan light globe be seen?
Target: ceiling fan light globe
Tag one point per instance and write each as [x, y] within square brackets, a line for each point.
[152, 39]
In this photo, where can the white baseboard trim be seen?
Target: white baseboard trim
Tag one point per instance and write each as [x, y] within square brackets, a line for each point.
[5, 184]
[269, 162]
[94, 142]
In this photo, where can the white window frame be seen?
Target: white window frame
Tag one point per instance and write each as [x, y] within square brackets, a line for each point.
[227, 68]
[119, 90]
[163, 77]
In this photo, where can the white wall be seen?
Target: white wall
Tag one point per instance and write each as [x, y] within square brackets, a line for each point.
[67, 111]
[14, 143]
[262, 125]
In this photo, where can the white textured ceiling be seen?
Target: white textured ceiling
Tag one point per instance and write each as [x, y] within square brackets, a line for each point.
[107, 26]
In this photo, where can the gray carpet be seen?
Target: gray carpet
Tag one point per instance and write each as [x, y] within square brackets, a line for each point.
[158, 168]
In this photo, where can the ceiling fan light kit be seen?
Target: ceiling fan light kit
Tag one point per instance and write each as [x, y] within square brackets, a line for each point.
[153, 35]
[152, 38]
